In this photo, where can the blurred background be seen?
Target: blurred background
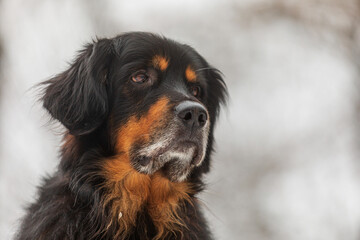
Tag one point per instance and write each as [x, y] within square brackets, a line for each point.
[286, 165]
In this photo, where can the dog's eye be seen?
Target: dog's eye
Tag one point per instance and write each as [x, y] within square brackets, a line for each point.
[195, 91]
[139, 77]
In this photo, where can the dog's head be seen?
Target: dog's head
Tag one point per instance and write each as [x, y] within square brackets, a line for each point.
[156, 101]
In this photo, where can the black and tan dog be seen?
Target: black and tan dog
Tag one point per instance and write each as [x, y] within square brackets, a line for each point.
[140, 111]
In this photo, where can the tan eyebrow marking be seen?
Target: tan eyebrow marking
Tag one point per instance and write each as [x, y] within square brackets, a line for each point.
[160, 62]
[190, 74]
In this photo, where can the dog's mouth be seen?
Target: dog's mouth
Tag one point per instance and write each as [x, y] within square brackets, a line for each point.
[172, 154]
[183, 150]
[186, 151]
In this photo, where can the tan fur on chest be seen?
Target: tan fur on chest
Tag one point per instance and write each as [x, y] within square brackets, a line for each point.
[130, 192]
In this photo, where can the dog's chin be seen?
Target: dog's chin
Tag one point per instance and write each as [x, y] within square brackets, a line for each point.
[180, 160]
[175, 160]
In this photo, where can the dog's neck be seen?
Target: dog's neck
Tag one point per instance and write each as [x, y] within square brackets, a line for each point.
[126, 193]
[130, 192]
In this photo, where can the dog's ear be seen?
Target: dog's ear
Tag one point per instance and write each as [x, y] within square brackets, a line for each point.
[78, 96]
[218, 93]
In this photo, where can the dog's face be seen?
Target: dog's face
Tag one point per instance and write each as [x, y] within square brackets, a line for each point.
[157, 101]
[166, 122]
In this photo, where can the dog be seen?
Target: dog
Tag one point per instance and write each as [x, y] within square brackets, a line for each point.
[139, 111]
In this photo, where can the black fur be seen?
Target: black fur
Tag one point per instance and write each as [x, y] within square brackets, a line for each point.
[89, 99]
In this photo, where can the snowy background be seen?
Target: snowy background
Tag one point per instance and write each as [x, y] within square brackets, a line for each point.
[286, 166]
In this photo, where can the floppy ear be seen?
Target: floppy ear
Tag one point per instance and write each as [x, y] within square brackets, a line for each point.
[218, 93]
[78, 96]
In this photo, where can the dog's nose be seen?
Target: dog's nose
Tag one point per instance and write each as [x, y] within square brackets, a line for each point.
[192, 113]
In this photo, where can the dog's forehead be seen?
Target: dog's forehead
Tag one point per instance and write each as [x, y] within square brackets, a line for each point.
[163, 54]
[185, 66]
